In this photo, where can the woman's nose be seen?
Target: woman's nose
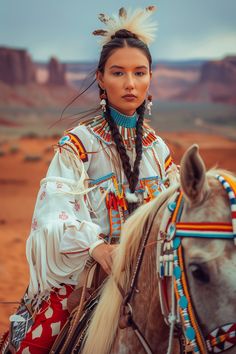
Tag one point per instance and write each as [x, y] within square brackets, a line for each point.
[129, 81]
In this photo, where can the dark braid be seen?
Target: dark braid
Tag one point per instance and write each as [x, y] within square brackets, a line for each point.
[132, 176]
[124, 38]
[138, 147]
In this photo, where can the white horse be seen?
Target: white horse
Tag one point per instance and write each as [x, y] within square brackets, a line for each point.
[196, 276]
[209, 266]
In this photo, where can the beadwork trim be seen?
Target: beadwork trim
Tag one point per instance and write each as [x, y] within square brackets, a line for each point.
[99, 127]
[232, 198]
[220, 338]
[205, 230]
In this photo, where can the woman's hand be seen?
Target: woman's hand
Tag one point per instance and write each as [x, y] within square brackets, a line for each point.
[103, 254]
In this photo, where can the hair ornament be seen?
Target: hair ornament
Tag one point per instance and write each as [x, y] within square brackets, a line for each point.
[100, 32]
[105, 18]
[136, 21]
[123, 12]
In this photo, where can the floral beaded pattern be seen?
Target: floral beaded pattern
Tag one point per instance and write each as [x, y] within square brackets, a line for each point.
[42, 195]
[59, 185]
[34, 225]
[76, 205]
[63, 215]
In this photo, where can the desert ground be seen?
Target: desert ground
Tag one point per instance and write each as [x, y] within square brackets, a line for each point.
[23, 162]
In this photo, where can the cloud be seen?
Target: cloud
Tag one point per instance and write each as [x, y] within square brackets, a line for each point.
[208, 46]
[187, 29]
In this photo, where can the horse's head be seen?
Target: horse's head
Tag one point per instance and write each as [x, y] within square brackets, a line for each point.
[210, 263]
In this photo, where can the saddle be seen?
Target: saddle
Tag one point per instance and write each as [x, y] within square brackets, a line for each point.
[81, 305]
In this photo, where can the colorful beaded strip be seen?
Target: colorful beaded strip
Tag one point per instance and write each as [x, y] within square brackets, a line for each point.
[186, 311]
[205, 230]
[232, 199]
[100, 128]
[168, 162]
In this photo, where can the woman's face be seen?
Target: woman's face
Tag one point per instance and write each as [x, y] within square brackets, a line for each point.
[126, 79]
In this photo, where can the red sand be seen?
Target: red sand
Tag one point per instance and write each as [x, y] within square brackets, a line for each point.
[19, 182]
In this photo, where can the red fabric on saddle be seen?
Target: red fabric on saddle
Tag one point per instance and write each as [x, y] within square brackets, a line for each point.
[48, 323]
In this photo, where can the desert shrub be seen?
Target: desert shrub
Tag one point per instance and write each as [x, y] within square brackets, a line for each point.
[48, 150]
[32, 158]
[14, 149]
[30, 135]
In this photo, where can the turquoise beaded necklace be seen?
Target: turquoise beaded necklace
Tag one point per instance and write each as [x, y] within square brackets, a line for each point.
[124, 120]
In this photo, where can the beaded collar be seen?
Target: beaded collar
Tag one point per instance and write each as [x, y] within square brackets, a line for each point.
[124, 120]
[127, 128]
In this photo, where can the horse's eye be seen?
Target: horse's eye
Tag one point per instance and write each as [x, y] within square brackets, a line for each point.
[199, 273]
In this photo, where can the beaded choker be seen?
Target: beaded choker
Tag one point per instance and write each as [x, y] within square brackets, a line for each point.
[122, 119]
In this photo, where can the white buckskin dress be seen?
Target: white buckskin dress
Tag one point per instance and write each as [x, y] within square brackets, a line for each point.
[82, 196]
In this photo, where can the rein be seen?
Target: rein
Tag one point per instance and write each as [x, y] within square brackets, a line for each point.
[126, 312]
[171, 265]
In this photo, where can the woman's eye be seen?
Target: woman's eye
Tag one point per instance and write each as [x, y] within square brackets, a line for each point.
[139, 73]
[118, 73]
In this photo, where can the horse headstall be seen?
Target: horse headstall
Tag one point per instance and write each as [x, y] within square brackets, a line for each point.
[171, 266]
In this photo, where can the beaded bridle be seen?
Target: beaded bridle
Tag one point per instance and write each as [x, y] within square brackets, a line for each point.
[171, 266]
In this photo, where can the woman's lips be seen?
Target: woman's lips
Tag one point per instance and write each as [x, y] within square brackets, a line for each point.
[129, 97]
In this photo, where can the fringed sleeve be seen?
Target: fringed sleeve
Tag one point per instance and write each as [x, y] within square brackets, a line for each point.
[62, 230]
[169, 169]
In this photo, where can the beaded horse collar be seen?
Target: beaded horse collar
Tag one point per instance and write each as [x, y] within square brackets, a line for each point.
[171, 264]
[100, 128]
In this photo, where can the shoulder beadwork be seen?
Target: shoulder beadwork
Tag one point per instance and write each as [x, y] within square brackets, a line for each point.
[72, 141]
[168, 162]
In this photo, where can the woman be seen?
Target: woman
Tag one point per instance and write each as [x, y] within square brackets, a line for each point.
[102, 170]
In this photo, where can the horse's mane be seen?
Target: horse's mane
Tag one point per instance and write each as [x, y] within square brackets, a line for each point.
[103, 327]
[219, 171]
[104, 324]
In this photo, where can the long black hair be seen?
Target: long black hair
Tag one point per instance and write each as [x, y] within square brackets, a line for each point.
[121, 39]
[124, 38]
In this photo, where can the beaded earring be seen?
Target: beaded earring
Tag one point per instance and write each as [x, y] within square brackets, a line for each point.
[103, 101]
[149, 105]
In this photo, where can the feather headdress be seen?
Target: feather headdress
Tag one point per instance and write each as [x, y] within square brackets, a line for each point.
[136, 21]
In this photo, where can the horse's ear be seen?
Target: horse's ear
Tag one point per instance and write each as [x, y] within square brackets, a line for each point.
[193, 176]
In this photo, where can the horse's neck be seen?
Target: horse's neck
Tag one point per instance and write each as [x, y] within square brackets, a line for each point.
[146, 306]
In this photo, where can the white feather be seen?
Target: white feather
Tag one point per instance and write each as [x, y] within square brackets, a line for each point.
[131, 197]
[136, 21]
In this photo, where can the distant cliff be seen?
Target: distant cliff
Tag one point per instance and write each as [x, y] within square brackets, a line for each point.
[221, 71]
[16, 66]
[213, 81]
[217, 83]
[56, 72]
[20, 85]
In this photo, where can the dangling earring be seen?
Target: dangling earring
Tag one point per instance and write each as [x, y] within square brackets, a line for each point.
[149, 105]
[103, 101]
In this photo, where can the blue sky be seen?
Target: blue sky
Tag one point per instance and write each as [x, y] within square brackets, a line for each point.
[187, 28]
